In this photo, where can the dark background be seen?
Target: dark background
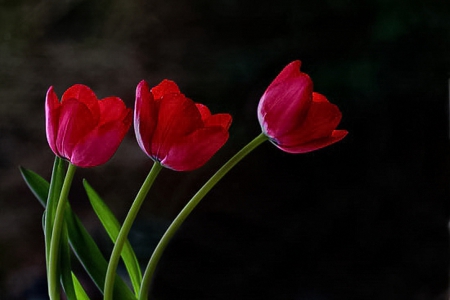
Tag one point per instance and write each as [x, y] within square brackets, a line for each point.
[366, 218]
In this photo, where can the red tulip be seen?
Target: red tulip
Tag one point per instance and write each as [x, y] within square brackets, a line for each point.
[296, 119]
[175, 131]
[82, 129]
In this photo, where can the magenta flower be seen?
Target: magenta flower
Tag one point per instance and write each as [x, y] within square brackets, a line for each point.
[175, 131]
[82, 129]
[296, 119]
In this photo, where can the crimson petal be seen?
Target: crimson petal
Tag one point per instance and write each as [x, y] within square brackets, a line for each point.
[335, 136]
[75, 122]
[164, 88]
[100, 144]
[323, 117]
[177, 117]
[145, 116]
[52, 113]
[285, 105]
[196, 149]
[85, 95]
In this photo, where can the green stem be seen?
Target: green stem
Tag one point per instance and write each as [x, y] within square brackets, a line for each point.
[123, 233]
[53, 276]
[54, 192]
[170, 232]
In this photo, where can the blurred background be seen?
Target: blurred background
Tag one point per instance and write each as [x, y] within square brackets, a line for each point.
[366, 218]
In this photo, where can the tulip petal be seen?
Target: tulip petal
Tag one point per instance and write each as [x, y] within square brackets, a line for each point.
[221, 120]
[76, 121]
[112, 108]
[323, 117]
[317, 97]
[52, 113]
[204, 111]
[145, 116]
[290, 71]
[85, 95]
[166, 87]
[284, 106]
[196, 149]
[336, 136]
[100, 144]
[177, 117]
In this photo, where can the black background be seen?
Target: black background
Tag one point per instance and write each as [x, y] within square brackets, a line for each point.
[366, 218]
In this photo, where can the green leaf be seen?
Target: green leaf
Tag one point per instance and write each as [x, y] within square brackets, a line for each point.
[112, 227]
[91, 258]
[38, 185]
[56, 184]
[80, 240]
[65, 266]
[79, 291]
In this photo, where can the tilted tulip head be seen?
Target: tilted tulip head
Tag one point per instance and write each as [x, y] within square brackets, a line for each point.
[296, 119]
[82, 129]
[173, 130]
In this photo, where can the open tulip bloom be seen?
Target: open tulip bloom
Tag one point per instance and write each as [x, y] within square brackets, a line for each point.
[296, 119]
[175, 133]
[82, 129]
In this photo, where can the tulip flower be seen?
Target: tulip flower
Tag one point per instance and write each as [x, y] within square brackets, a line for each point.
[173, 130]
[296, 119]
[82, 129]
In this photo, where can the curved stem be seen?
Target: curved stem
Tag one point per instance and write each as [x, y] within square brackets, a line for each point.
[170, 232]
[123, 233]
[53, 276]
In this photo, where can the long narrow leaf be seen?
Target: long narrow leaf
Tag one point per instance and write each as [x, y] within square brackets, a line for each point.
[80, 240]
[65, 266]
[112, 227]
[55, 187]
[56, 183]
[37, 185]
[79, 291]
[53, 198]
